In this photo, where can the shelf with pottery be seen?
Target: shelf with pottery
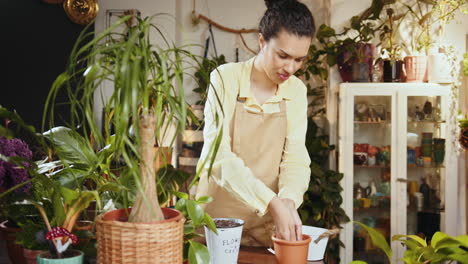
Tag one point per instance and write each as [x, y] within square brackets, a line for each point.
[372, 122]
[427, 122]
[380, 156]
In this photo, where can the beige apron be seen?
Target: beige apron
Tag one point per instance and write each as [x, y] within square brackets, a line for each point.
[258, 139]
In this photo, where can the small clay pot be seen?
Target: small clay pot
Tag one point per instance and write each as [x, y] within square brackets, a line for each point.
[287, 252]
[31, 255]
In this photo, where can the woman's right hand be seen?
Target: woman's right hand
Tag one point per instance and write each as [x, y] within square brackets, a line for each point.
[284, 221]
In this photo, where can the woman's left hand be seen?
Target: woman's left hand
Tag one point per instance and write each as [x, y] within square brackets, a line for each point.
[295, 216]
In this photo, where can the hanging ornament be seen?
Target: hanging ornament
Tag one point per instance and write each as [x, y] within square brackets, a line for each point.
[81, 11]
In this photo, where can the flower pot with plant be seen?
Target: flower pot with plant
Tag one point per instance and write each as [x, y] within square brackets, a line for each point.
[148, 94]
[392, 64]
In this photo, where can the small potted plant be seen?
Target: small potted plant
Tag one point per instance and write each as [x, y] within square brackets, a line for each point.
[392, 64]
[61, 236]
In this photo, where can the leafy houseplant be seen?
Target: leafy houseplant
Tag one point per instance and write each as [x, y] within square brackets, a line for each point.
[441, 249]
[194, 252]
[322, 201]
[202, 76]
[148, 97]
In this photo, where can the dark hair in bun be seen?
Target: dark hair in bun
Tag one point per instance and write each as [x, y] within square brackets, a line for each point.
[289, 15]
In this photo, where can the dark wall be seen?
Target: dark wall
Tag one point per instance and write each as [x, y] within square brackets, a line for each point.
[36, 40]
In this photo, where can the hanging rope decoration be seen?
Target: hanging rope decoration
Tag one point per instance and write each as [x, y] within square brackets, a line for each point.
[196, 19]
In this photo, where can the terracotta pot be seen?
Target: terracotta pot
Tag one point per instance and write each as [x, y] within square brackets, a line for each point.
[15, 251]
[415, 68]
[31, 255]
[287, 252]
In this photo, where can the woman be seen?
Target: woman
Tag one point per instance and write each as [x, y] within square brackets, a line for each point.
[261, 170]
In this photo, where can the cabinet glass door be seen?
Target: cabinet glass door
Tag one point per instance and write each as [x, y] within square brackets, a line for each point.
[425, 165]
[372, 174]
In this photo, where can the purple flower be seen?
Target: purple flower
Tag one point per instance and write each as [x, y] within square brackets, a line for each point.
[11, 174]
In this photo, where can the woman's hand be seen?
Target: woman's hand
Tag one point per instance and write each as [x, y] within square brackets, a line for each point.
[297, 220]
[287, 222]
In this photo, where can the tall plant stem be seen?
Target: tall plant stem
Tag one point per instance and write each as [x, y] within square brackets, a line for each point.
[146, 207]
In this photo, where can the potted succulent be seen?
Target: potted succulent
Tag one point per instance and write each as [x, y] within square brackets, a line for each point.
[148, 94]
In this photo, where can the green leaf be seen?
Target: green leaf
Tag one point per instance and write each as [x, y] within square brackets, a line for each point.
[378, 240]
[437, 237]
[421, 241]
[71, 146]
[462, 258]
[210, 223]
[59, 213]
[325, 32]
[198, 253]
[188, 228]
[195, 212]
[112, 187]
[358, 262]
[463, 239]
[205, 199]
[181, 195]
[68, 195]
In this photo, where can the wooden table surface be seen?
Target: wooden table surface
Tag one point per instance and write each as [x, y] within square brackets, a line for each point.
[252, 255]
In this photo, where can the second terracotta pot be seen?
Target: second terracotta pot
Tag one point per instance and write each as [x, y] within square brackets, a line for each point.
[287, 252]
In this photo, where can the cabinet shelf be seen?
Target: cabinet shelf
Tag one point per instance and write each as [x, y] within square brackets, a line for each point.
[427, 122]
[374, 166]
[371, 122]
[371, 209]
[414, 166]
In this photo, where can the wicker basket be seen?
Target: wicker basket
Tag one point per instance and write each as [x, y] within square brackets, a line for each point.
[464, 138]
[119, 241]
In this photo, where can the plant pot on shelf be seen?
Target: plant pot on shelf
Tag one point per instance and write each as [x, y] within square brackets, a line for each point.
[15, 251]
[287, 252]
[360, 72]
[230, 231]
[438, 68]
[392, 70]
[68, 257]
[346, 59]
[415, 68]
[120, 241]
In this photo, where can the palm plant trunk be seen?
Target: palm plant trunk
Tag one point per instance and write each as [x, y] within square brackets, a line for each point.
[146, 207]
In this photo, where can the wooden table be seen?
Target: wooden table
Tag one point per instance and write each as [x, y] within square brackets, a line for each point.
[252, 255]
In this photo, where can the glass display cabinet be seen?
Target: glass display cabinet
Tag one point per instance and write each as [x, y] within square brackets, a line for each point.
[396, 156]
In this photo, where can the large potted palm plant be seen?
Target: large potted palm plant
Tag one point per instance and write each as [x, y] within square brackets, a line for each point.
[147, 98]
